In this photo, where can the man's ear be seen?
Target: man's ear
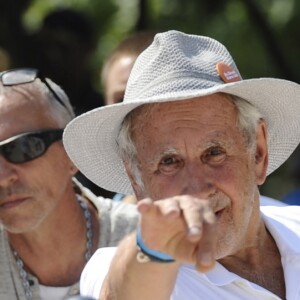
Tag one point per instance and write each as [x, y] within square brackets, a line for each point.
[261, 153]
[73, 169]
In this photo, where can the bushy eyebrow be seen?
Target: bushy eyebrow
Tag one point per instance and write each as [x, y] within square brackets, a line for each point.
[169, 151]
[219, 139]
[226, 143]
[157, 157]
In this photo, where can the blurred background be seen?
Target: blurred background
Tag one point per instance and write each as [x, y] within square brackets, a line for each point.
[69, 39]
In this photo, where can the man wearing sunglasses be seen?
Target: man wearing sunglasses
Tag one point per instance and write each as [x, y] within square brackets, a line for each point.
[50, 224]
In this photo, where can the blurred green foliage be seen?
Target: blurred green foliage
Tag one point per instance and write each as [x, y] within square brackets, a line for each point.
[235, 23]
[262, 35]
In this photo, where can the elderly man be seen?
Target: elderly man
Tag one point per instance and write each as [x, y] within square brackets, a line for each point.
[50, 224]
[196, 142]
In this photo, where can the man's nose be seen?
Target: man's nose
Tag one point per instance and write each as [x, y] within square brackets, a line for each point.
[199, 182]
[8, 172]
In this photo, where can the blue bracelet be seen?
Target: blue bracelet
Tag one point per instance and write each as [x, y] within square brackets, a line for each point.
[152, 255]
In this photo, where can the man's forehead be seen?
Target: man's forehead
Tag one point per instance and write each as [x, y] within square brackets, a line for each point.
[174, 140]
[217, 105]
[221, 138]
[17, 99]
[22, 113]
[198, 101]
[22, 95]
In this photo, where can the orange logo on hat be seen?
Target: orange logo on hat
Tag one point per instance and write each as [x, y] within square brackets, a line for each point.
[227, 73]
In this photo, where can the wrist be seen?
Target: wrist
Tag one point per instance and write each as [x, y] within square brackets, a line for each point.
[146, 254]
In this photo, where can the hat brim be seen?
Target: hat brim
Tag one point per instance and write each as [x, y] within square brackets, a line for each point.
[90, 139]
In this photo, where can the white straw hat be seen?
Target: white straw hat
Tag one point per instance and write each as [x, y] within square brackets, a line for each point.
[178, 66]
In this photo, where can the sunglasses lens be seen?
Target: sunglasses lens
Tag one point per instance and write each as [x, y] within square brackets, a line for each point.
[18, 77]
[24, 149]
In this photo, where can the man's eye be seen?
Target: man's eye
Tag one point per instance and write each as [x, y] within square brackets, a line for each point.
[216, 151]
[169, 165]
[214, 155]
[168, 161]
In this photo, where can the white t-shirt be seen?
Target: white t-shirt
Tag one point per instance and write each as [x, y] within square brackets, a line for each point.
[284, 225]
[50, 293]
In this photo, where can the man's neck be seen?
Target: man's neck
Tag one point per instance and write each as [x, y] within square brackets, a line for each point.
[259, 263]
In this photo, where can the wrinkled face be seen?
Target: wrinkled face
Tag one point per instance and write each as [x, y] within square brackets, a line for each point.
[30, 191]
[116, 79]
[194, 147]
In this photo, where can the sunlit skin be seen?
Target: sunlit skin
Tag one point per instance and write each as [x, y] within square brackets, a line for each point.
[197, 150]
[116, 79]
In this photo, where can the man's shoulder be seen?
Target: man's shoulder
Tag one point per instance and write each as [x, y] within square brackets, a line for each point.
[117, 220]
[106, 205]
[287, 212]
[284, 225]
[124, 215]
[264, 200]
[285, 219]
[115, 208]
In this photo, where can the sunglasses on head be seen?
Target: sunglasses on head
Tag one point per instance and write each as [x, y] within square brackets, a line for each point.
[28, 146]
[27, 75]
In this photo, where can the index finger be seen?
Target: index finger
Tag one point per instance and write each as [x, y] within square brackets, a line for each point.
[205, 259]
[196, 212]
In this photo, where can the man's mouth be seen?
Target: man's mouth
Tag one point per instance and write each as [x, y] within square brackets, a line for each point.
[12, 203]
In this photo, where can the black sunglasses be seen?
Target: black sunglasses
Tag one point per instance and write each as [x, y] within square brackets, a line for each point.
[28, 146]
[27, 75]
